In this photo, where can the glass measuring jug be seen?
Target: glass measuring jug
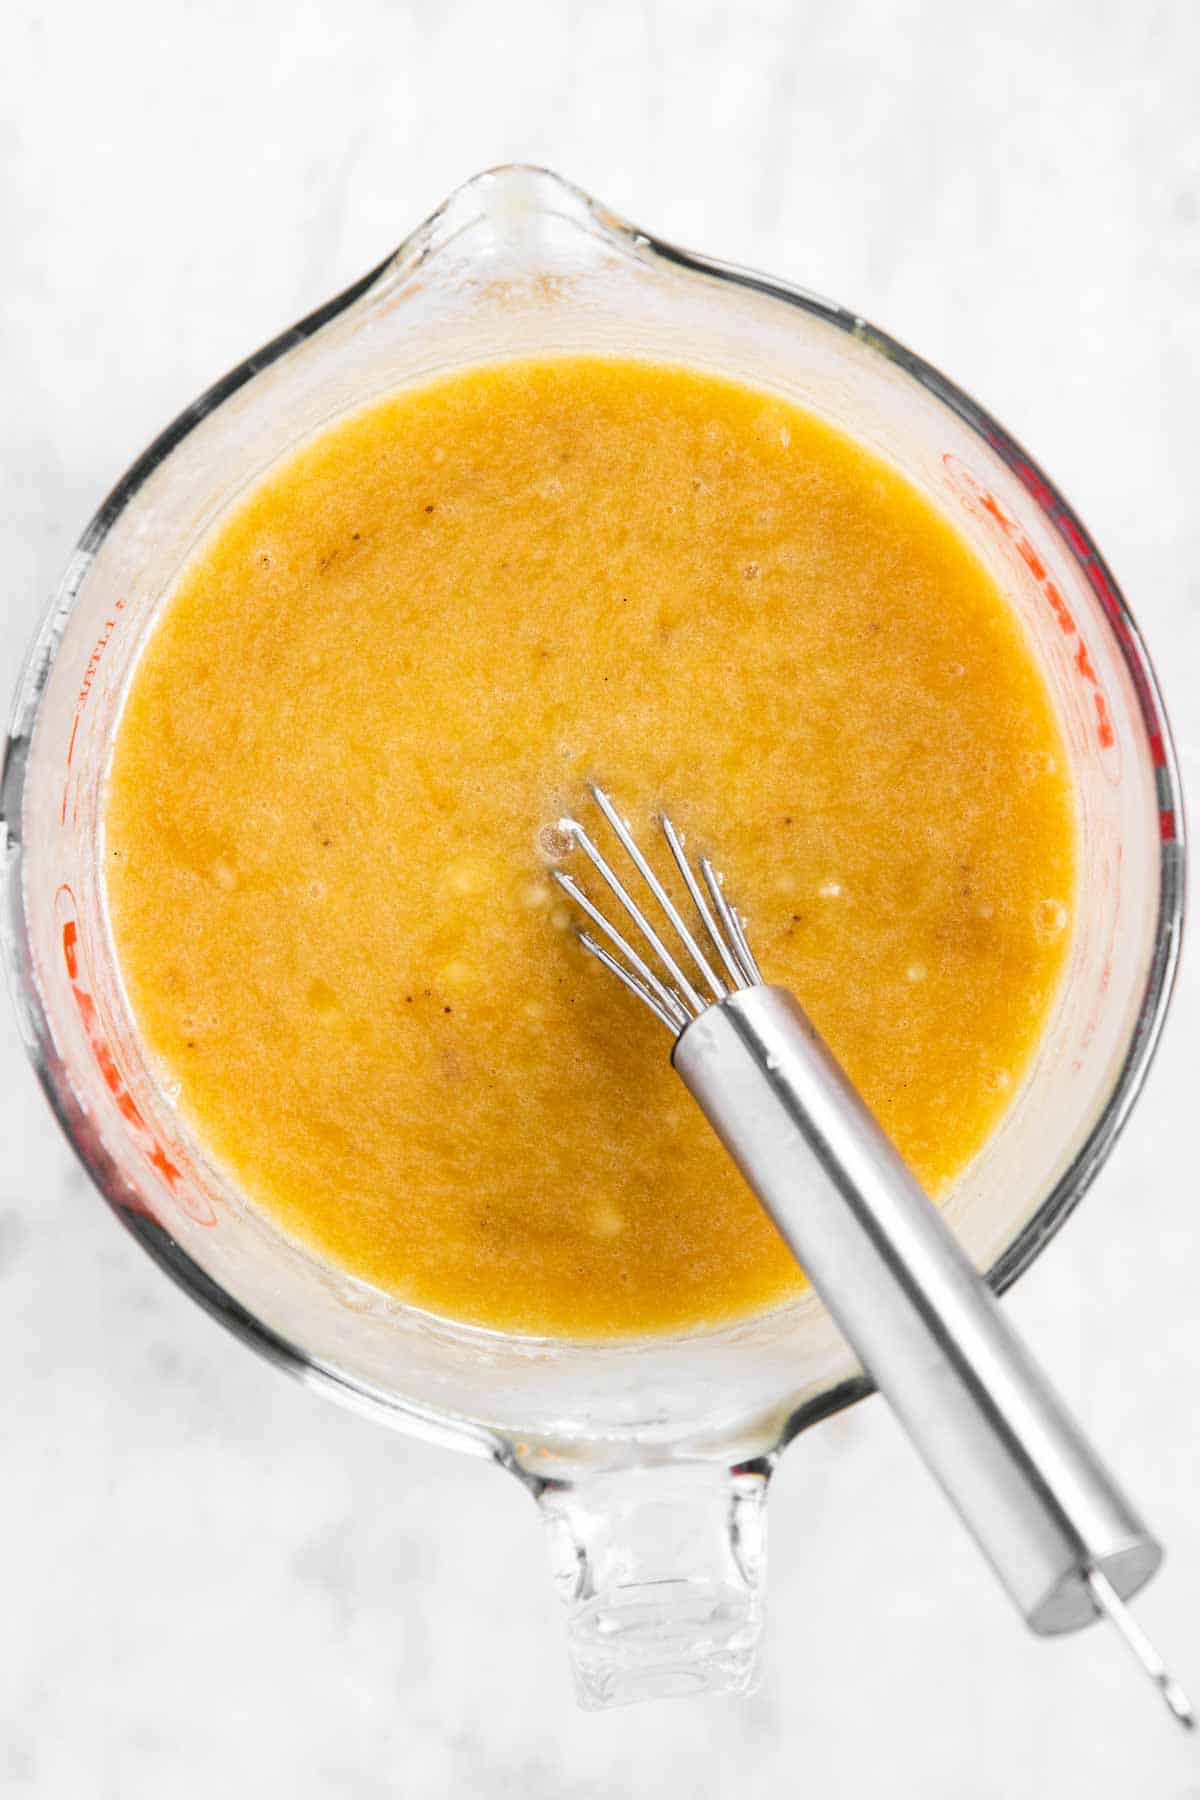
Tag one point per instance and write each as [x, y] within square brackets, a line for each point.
[649, 1459]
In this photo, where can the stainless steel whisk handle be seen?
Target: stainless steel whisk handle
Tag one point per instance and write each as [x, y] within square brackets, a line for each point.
[1045, 1512]
[1040, 1504]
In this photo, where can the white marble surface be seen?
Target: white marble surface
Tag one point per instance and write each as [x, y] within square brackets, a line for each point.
[213, 1584]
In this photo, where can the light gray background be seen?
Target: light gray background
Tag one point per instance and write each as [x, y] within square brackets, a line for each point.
[212, 1584]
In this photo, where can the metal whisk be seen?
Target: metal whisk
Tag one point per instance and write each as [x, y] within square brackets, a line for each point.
[1060, 1535]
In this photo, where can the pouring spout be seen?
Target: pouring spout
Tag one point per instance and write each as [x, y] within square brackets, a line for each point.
[660, 1568]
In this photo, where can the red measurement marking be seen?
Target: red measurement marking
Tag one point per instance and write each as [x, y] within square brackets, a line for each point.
[81, 698]
[977, 496]
[192, 1202]
[1101, 583]
[1059, 607]
[990, 504]
[1167, 829]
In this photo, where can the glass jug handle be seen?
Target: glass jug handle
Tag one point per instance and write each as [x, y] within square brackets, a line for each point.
[660, 1567]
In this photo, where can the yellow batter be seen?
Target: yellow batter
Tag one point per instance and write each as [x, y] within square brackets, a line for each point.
[401, 656]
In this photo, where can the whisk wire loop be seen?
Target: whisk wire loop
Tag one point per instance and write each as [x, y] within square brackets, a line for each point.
[630, 846]
[732, 924]
[668, 1001]
[630, 981]
[625, 899]
[675, 845]
[677, 1000]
